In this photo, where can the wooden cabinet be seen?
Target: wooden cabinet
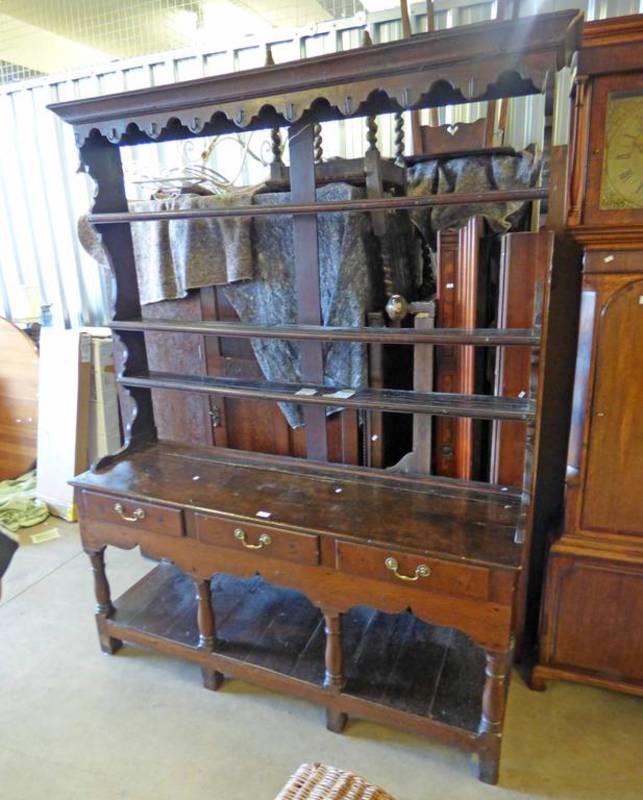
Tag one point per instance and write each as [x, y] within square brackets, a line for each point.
[591, 616]
[583, 636]
[292, 571]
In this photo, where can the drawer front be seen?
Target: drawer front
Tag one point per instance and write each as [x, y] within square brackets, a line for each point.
[422, 573]
[133, 514]
[262, 540]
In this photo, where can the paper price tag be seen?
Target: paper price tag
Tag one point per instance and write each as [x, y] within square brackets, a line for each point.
[341, 394]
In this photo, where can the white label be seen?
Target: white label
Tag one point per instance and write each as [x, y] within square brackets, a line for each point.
[306, 392]
[45, 536]
[640, 302]
[341, 394]
[263, 514]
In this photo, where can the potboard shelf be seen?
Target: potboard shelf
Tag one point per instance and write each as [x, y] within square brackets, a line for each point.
[266, 633]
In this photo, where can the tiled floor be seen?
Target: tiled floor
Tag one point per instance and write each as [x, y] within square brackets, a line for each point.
[77, 724]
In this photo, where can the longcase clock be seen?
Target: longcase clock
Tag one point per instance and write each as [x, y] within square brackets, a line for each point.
[591, 628]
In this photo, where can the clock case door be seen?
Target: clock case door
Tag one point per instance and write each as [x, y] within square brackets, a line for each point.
[593, 214]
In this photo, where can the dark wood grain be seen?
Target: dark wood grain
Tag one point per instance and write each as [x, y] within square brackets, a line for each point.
[471, 58]
[594, 576]
[479, 337]
[391, 660]
[395, 400]
[446, 519]
[307, 281]
[310, 527]
[324, 207]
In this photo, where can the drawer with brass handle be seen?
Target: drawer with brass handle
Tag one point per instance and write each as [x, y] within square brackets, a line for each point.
[414, 571]
[132, 514]
[269, 541]
[421, 571]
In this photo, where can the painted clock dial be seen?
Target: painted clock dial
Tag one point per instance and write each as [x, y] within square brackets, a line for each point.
[622, 178]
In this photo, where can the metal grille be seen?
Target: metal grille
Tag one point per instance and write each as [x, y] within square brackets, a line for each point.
[42, 37]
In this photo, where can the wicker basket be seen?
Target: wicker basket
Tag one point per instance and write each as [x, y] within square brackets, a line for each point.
[319, 782]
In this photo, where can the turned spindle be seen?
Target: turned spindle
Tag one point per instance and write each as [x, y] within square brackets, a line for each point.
[276, 145]
[494, 697]
[318, 150]
[207, 631]
[371, 133]
[399, 139]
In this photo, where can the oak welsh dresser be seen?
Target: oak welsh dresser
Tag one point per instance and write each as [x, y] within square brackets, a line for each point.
[375, 593]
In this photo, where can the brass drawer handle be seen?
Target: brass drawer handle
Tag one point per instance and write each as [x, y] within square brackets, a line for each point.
[263, 541]
[136, 516]
[421, 571]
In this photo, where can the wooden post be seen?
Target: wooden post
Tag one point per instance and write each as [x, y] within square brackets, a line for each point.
[207, 631]
[419, 459]
[302, 179]
[498, 666]
[334, 675]
[104, 607]
[102, 161]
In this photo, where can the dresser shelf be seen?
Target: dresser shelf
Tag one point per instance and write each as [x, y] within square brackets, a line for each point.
[480, 337]
[394, 400]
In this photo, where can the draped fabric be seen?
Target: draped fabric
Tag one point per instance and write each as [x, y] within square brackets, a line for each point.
[472, 173]
[253, 257]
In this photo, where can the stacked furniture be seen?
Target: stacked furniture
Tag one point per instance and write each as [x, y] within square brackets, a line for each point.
[590, 628]
[387, 595]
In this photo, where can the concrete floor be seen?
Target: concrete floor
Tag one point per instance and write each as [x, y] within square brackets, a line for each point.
[77, 724]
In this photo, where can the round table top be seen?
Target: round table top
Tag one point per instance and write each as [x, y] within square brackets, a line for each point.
[18, 401]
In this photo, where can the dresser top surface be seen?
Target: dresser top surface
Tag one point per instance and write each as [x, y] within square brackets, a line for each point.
[472, 522]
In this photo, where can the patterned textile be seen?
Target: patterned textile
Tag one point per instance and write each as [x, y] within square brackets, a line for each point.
[254, 258]
[176, 255]
[474, 173]
[348, 290]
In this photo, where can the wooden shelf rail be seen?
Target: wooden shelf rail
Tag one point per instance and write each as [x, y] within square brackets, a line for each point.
[481, 337]
[394, 400]
[329, 207]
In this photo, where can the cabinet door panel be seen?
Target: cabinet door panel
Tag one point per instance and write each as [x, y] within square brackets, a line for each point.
[613, 496]
[596, 614]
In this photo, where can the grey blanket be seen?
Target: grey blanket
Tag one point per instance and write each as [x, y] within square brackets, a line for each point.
[173, 257]
[254, 259]
[348, 288]
[475, 173]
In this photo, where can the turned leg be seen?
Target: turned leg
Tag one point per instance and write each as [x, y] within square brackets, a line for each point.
[334, 675]
[207, 632]
[104, 607]
[494, 698]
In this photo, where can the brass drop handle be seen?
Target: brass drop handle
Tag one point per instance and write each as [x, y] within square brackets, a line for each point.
[136, 516]
[263, 541]
[421, 571]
